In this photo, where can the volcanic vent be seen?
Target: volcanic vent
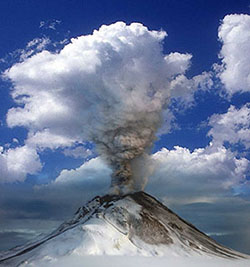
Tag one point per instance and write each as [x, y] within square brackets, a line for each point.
[133, 224]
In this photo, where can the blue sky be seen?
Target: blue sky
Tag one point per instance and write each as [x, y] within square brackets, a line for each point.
[201, 155]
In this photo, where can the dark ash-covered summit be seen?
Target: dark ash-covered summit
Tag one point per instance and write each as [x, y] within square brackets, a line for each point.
[146, 223]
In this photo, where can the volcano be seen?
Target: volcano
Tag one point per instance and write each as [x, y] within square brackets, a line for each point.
[134, 224]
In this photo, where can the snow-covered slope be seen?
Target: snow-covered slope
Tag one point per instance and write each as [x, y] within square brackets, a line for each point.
[132, 225]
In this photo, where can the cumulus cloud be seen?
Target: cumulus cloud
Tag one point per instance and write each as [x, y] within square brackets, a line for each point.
[183, 89]
[76, 186]
[16, 163]
[234, 35]
[208, 174]
[178, 63]
[232, 126]
[112, 88]
[46, 139]
[181, 177]
[78, 152]
[109, 87]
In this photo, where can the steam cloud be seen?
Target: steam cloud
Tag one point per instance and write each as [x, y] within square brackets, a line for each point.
[109, 87]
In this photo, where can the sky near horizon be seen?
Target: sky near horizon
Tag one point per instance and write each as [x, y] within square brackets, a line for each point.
[60, 69]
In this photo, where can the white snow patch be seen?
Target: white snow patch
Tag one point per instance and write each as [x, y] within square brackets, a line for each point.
[132, 261]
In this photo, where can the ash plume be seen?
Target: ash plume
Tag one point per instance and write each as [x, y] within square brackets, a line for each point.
[109, 87]
[125, 146]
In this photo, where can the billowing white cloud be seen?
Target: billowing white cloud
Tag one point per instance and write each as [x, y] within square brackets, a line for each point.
[109, 88]
[91, 170]
[183, 89]
[232, 126]
[79, 78]
[16, 163]
[46, 139]
[234, 35]
[178, 63]
[208, 173]
[118, 81]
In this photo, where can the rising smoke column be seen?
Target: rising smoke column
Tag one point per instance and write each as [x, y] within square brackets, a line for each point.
[109, 87]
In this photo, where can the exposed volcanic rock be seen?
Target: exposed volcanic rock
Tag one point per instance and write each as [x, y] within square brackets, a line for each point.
[133, 224]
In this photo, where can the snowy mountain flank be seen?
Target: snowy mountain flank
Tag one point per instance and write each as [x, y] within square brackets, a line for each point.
[135, 224]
